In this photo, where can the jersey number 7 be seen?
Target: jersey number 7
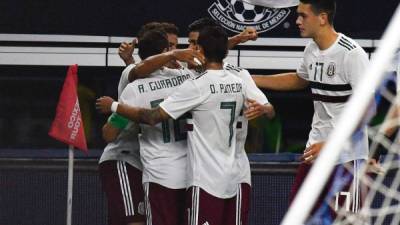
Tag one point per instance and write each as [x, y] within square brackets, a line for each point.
[231, 106]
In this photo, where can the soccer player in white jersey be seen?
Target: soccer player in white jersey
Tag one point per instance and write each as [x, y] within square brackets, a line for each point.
[125, 49]
[258, 106]
[214, 100]
[120, 165]
[120, 168]
[331, 66]
[163, 148]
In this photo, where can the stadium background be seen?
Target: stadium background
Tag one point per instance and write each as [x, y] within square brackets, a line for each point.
[32, 165]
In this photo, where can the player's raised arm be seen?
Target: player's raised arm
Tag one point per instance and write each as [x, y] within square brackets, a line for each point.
[156, 62]
[125, 51]
[106, 104]
[280, 82]
[249, 33]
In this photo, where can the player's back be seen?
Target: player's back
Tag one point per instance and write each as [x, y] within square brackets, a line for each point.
[212, 141]
[163, 147]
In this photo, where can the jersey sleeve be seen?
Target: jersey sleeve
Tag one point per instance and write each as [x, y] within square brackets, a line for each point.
[185, 98]
[398, 73]
[252, 91]
[302, 69]
[355, 64]
[124, 80]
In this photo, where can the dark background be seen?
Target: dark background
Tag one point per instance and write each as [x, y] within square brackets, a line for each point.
[29, 94]
[356, 18]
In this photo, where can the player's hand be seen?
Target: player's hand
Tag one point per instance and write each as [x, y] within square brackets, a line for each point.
[312, 152]
[103, 104]
[125, 51]
[249, 33]
[254, 109]
[190, 56]
[173, 64]
[374, 167]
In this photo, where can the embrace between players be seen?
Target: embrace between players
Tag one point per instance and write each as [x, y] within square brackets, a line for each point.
[192, 111]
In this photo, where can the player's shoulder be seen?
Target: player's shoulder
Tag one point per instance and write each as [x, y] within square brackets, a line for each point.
[236, 70]
[348, 45]
[233, 68]
[311, 46]
[128, 68]
[201, 76]
[125, 73]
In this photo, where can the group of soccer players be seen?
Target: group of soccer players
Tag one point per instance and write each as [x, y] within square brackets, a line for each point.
[180, 122]
[192, 130]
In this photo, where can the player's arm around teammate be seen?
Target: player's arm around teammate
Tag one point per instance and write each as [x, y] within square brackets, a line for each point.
[156, 62]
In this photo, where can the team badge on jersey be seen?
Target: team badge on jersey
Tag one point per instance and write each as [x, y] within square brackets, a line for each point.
[236, 15]
[331, 69]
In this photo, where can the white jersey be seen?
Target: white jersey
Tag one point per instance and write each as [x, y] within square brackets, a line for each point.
[214, 100]
[397, 68]
[126, 146]
[333, 73]
[163, 148]
[254, 93]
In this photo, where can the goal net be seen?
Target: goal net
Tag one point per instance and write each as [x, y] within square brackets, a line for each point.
[378, 198]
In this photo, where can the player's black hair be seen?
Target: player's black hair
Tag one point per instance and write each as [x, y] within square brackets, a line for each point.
[201, 23]
[170, 28]
[214, 41]
[148, 26]
[326, 6]
[152, 42]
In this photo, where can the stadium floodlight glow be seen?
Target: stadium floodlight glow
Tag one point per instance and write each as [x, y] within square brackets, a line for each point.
[348, 121]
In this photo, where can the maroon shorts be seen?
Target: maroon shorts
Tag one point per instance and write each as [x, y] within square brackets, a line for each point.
[206, 209]
[244, 194]
[346, 193]
[164, 206]
[122, 184]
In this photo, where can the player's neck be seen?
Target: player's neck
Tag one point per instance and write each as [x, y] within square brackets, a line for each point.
[326, 38]
[214, 66]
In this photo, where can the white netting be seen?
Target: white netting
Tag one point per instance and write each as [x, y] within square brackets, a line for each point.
[381, 183]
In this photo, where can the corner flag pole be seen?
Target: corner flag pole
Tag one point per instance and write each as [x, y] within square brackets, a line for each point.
[70, 183]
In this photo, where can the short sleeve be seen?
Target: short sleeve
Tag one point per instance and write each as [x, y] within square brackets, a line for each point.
[252, 91]
[398, 72]
[302, 69]
[185, 98]
[124, 80]
[355, 64]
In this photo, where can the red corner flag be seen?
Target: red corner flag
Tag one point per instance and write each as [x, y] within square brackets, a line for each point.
[67, 126]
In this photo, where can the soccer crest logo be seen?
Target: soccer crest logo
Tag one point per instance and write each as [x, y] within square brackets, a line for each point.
[235, 15]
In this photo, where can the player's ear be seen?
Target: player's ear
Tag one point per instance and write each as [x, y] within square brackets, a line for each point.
[200, 49]
[323, 19]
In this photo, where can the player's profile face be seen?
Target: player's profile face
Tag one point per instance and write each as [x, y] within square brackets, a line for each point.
[173, 41]
[193, 36]
[307, 21]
